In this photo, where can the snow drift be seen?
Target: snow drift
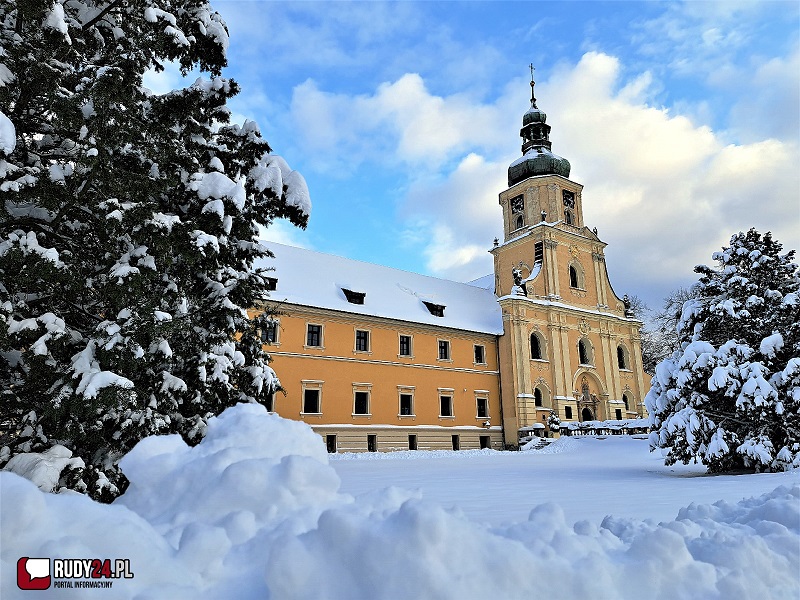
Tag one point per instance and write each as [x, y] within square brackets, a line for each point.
[254, 511]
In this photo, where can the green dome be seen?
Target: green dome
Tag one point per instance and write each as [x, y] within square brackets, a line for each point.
[534, 115]
[537, 161]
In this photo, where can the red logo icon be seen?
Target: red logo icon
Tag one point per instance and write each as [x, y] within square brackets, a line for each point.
[33, 573]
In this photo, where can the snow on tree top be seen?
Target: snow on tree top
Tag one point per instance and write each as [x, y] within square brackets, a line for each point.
[8, 134]
[310, 278]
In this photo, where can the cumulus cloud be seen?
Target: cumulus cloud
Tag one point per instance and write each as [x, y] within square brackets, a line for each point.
[664, 191]
[401, 121]
[664, 188]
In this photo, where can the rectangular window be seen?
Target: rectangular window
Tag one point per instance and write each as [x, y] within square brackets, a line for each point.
[568, 412]
[483, 408]
[445, 406]
[406, 405]
[456, 442]
[362, 340]
[311, 401]
[485, 442]
[444, 350]
[372, 443]
[480, 355]
[405, 345]
[314, 335]
[412, 441]
[269, 334]
[330, 442]
[361, 406]
[618, 413]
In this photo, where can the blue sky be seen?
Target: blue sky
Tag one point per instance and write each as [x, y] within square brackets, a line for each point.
[680, 119]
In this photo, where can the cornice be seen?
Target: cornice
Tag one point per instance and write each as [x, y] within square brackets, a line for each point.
[388, 363]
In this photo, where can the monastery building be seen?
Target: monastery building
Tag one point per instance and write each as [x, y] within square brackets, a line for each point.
[379, 359]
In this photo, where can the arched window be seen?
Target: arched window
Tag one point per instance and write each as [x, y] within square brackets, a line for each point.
[536, 347]
[626, 400]
[576, 275]
[622, 358]
[537, 397]
[584, 352]
[520, 222]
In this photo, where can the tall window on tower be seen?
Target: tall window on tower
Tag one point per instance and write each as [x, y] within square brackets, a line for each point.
[536, 347]
[569, 206]
[538, 252]
[518, 211]
[584, 352]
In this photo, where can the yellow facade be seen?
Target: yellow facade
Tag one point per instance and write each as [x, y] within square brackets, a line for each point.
[378, 359]
[339, 370]
[563, 309]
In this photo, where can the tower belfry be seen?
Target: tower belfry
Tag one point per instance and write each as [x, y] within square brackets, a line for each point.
[537, 156]
[568, 346]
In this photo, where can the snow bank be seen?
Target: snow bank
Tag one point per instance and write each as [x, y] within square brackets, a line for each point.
[254, 512]
[44, 469]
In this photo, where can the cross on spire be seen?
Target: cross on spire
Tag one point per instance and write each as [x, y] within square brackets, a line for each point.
[533, 98]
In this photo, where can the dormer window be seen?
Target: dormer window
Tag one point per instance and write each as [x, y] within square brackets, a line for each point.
[354, 297]
[437, 310]
[271, 283]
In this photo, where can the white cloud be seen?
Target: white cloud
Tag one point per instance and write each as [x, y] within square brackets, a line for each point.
[400, 121]
[663, 191]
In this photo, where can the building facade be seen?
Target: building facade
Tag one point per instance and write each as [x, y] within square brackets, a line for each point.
[378, 359]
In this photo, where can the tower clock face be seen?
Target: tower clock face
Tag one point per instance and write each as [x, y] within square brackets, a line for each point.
[569, 198]
[517, 205]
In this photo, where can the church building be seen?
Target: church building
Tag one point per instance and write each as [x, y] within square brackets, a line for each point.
[379, 359]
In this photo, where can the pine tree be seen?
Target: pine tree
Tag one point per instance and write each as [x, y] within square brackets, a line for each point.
[128, 231]
[731, 395]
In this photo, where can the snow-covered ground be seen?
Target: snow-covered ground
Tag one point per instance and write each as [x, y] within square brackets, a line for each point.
[587, 477]
[258, 511]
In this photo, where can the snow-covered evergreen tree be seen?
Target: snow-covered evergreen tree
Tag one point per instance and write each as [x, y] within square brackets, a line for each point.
[128, 231]
[731, 396]
[553, 422]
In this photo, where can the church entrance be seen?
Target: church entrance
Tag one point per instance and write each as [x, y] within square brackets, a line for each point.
[586, 415]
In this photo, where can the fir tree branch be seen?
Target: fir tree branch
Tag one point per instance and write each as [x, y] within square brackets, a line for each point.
[101, 14]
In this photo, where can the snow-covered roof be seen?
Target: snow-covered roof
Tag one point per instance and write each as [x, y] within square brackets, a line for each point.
[310, 278]
[486, 282]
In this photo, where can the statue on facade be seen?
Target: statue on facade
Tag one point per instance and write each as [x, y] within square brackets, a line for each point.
[519, 285]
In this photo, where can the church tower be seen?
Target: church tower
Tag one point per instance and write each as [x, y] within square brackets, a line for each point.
[570, 345]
